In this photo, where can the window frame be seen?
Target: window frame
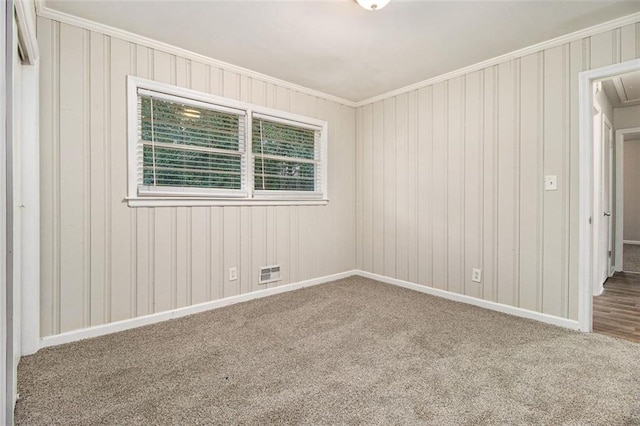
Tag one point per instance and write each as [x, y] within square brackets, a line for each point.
[219, 197]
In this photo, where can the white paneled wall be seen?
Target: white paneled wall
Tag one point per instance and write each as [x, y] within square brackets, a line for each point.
[450, 177]
[102, 261]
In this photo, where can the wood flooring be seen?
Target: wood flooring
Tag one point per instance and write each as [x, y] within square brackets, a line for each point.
[616, 312]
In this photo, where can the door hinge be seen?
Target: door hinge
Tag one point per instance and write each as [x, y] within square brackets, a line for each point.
[590, 221]
[609, 253]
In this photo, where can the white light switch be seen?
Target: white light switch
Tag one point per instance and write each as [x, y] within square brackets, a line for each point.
[551, 183]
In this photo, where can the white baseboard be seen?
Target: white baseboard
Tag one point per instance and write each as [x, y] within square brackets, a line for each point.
[507, 309]
[634, 242]
[101, 330]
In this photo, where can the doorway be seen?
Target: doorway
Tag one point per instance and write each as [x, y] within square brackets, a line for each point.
[603, 188]
[616, 208]
[598, 230]
[627, 240]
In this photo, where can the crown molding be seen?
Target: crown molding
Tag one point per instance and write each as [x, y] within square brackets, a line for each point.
[46, 12]
[567, 38]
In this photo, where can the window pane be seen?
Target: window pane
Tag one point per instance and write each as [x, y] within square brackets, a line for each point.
[282, 140]
[188, 125]
[192, 132]
[181, 168]
[276, 175]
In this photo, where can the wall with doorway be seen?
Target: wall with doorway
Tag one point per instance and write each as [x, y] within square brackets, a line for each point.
[631, 173]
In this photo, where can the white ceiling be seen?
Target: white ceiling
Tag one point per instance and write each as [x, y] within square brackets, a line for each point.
[339, 48]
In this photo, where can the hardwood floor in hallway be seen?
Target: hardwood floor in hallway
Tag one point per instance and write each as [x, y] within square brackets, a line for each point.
[616, 312]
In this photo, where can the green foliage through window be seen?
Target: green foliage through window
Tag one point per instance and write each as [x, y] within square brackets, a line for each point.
[285, 157]
[188, 146]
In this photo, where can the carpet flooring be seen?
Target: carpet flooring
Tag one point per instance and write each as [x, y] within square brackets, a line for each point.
[354, 351]
[631, 258]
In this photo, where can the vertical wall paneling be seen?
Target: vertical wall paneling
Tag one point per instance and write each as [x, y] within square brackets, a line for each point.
[389, 188]
[103, 261]
[413, 167]
[72, 250]
[368, 191]
[424, 185]
[530, 189]
[455, 193]
[577, 59]
[564, 186]
[484, 143]
[48, 189]
[378, 190]
[359, 190]
[402, 190]
[554, 120]
[122, 257]
[99, 49]
[472, 193]
[506, 184]
[603, 50]
[440, 186]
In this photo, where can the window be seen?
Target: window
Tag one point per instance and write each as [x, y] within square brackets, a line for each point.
[191, 148]
[286, 158]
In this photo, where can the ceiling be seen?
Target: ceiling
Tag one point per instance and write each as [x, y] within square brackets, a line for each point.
[623, 90]
[339, 48]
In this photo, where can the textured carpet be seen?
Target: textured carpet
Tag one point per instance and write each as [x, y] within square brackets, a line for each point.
[347, 352]
[631, 260]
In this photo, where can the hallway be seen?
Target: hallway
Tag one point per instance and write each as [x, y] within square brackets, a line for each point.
[616, 312]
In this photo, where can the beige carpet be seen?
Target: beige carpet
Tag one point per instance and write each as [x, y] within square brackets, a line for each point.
[631, 258]
[350, 352]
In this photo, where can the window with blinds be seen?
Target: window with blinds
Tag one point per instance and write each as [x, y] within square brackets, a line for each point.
[286, 157]
[191, 148]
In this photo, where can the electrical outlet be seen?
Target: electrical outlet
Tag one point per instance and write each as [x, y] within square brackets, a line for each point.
[233, 274]
[476, 275]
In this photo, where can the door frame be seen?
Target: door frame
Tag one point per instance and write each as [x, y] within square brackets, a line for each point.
[619, 237]
[609, 266]
[587, 185]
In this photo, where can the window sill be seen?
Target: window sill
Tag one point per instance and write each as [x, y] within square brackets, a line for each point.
[197, 202]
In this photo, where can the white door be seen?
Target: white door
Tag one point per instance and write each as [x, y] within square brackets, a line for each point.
[606, 201]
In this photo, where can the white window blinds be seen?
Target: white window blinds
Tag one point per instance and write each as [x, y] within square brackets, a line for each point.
[187, 147]
[190, 147]
[286, 157]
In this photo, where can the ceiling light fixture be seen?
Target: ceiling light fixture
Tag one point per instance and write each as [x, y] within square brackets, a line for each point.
[373, 4]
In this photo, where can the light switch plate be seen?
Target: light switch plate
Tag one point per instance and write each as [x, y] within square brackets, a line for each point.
[476, 275]
[551, 183]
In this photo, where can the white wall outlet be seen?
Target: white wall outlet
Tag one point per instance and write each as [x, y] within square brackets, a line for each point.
[551, 183]
[476, 275]
[233, 274]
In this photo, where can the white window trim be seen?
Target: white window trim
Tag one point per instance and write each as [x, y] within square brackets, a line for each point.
[240, 198]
